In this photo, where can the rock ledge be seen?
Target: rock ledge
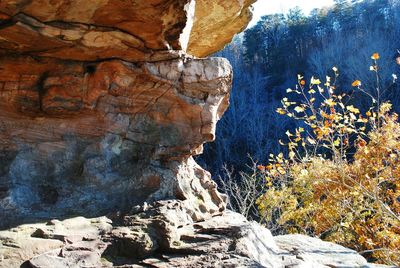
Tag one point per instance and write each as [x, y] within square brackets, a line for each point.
[165, 235]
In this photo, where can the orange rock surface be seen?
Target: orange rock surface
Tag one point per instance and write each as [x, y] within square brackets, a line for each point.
[137, 30]
[102, 106]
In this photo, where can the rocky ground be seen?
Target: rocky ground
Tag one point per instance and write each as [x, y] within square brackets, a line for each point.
[164, 235]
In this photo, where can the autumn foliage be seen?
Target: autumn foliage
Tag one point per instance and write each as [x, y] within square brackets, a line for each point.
[340, 180]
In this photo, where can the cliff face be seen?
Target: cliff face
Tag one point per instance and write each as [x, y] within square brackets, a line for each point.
[102, 107]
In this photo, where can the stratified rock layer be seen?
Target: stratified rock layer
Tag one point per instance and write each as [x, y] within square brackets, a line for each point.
[89, 138]
[138, 30]
[102, 107]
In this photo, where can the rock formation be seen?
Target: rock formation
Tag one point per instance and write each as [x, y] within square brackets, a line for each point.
[158, 238]
[84, 139]
[102, 108]
[103, 104]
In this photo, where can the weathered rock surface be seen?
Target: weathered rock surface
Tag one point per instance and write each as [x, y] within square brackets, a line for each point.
[139, 30]
[84, 139]
[102, 107]
[163, 235]
[221, 20]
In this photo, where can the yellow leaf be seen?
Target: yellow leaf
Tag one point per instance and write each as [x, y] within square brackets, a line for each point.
[385, 107]
[315, 81]
[336, 142]
[352, 109]
[304, 172]
[299, 109]
[330, 102]
[280, 111]
[281, 170]
[311, 141]
[375, 56]
[356, 83]
[345, 224]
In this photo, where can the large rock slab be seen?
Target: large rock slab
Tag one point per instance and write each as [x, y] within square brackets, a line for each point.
[318, 253]
[139, 30]
[220, 20]
[87, 139]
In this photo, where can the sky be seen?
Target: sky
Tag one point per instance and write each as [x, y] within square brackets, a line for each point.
[264, 7]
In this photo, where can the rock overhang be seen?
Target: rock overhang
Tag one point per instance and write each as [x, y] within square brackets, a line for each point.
[102, 107]
[130, 30]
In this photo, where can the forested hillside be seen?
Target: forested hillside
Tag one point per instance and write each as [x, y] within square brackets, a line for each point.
[268, 57]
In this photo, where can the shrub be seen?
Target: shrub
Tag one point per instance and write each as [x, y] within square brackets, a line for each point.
[341, 178]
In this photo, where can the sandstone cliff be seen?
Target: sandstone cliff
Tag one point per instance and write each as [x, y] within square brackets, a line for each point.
[102, 106]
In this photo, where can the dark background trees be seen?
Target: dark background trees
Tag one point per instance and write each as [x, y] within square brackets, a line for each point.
[267, 58]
